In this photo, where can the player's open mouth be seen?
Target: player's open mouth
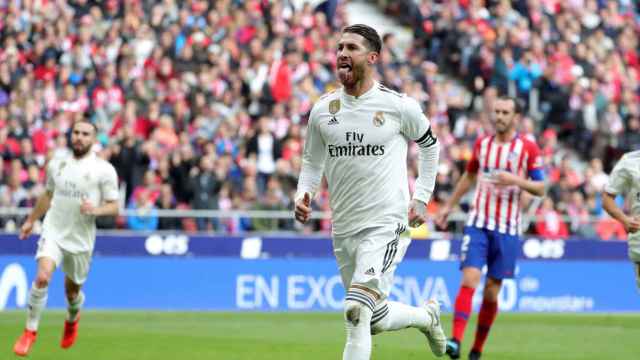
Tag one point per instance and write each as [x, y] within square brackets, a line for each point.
[344, 70]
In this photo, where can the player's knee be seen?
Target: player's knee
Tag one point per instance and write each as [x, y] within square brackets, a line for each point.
[492, 289]
[377, 328]
[353, 311]
[72, 294]
[42, 279]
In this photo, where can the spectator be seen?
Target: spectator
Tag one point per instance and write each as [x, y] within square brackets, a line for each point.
[166, 201]
[205, 184]
[549, 224]
[264, 149]
[146, 213]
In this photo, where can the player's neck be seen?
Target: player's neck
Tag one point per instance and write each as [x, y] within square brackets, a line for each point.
[359, 88]
[506, 136]
[83, 156]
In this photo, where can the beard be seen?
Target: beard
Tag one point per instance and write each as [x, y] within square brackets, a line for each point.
[80, 151]
[350, 77]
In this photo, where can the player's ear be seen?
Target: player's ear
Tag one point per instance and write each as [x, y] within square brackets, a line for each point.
[372, 58]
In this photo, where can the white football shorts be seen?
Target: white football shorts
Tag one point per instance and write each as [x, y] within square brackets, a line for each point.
[370, 257]
[75, 266]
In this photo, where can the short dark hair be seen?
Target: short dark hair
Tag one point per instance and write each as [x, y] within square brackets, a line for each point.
[86, 121]
[370, 34]
[518, 108]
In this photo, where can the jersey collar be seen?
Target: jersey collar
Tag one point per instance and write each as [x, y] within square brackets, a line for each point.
[352, 99]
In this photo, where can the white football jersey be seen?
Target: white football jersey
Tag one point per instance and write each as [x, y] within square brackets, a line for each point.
[360, 144]
[71, 180]
[625, 180]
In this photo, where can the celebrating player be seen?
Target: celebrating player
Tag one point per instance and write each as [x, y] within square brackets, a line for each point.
[625, 179]
[78, 188]
[503, 165]
[357, 137]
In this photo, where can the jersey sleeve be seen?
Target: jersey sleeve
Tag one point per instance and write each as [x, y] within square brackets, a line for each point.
[415, 124]
[474, 163]
[50, 184]
[313, 158]
[620, 179]
[109, 184]
[534, 162]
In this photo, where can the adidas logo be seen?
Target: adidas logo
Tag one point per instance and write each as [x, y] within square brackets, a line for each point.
[333, 121]
[371, 271]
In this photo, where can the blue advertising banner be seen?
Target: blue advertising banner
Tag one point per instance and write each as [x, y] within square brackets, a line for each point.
[261, 247]
[176, 283]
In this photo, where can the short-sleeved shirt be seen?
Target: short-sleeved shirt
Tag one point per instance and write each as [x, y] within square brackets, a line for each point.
[71, 180]
[497, 207]
[361, 145]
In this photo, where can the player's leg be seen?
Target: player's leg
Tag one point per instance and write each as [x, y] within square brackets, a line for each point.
[634, 256]
[474, 251]
[359, 301]
[358, 310]
[47, 256]
[501, 264]
[357, 345]
[487, 314]
[76, 268]
[393, 315]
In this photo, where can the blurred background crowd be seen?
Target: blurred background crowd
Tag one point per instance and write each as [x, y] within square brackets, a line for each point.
[203, 104]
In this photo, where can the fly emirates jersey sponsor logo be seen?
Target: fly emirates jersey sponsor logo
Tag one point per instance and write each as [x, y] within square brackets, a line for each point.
[355, 146]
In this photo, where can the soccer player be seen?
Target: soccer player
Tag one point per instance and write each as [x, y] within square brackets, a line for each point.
[357, 136]
[503, 165]
[625, 179]
[79, 187]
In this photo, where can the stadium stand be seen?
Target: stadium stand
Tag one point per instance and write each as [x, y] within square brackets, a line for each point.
[201, 106]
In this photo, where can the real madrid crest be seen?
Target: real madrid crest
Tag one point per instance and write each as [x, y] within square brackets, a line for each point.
[334, 106]
[378, 119]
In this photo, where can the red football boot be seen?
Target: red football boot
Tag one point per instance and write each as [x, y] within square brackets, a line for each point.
[25, 342]
[70, 333]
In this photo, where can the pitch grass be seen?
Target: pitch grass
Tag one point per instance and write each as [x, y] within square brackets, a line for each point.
[315, 336]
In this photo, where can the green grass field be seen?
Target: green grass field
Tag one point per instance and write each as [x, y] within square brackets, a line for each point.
[281, 336]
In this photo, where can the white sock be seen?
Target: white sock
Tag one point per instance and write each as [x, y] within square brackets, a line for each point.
[392, 315]
[73, 307]
[358, 345]
[37, 303]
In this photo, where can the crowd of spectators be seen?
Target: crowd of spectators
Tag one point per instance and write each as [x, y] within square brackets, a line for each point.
[203, 104]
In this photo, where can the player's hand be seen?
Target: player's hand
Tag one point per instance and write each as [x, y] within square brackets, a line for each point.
[86, 208]
[503, 178]
[303, 208]
[632, 224]
[443, 216]
[417, 213]
[26, 229]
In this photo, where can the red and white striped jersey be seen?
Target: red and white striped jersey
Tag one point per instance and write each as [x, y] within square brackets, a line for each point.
[498, 207]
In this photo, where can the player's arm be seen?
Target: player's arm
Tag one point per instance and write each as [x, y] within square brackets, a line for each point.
[109, 192]
[42, 206]
[619, 183]
[464, 184]
[630, 224]
[534, 183]
[416, 126]
[313, 158]
[107, 208]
